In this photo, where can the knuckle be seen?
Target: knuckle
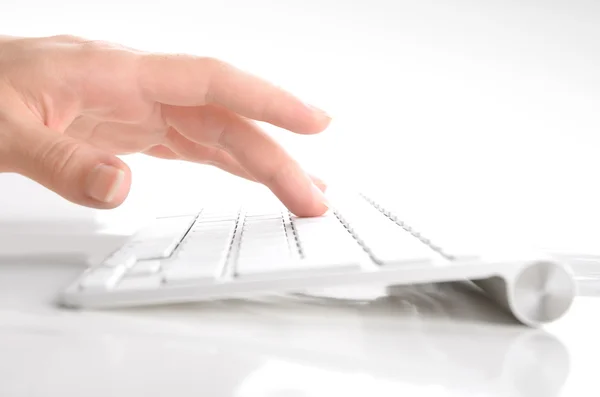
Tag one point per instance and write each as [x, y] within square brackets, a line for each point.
[213, 69]
[99, 52]
[213, 157]
[213, 65]
[68, 38]
[88, 47]
[56, 157]
[221, 137]
[97, 45]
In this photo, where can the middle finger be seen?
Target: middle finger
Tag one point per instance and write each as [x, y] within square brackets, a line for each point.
[254, 150]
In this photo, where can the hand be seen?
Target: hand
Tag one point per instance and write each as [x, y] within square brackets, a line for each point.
[68, 106]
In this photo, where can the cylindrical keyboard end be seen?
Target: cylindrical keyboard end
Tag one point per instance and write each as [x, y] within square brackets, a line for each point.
[541, 292]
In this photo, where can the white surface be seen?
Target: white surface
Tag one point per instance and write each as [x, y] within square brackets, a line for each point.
[423, 341]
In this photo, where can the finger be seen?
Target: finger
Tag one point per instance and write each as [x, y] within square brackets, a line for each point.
[255, 151]
[130, 138]
[191, 151]
[73, 169]
[319, 182]
[192, 81]
[222, 160]
[162, 152]
[115, 137]
[229, 165]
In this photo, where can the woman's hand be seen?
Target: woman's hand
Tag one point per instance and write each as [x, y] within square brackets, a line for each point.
[68, 106]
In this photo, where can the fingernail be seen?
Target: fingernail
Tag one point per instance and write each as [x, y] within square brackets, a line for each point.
[320, 111]
[319, 182]
[320, 195]
[104, 183]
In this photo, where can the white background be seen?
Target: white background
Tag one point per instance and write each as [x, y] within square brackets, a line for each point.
[479, 110]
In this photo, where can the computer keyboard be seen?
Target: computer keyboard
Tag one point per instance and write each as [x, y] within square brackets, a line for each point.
[225, 251]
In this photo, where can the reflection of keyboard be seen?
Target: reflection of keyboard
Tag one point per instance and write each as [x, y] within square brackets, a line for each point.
[227, 251]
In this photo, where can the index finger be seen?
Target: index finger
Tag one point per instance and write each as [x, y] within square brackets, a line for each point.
[184, 80]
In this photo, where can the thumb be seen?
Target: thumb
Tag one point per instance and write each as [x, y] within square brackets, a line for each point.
[77, 171]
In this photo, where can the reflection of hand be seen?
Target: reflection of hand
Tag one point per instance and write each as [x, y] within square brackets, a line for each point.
[68, 106]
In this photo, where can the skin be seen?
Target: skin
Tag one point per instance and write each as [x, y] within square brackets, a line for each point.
[68, 106]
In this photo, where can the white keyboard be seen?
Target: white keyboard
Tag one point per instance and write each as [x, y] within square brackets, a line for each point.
[232, 251]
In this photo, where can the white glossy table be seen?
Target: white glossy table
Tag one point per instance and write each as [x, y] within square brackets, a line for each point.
[424, 341]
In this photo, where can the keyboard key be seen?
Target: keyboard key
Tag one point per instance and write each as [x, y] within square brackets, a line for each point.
[199, 248]
[147, 282]
[122, 257]
[160, 238]
[198, 260]
[102, 277]
[144, 267]
[397, 247]
[438, 233]
[192, 272]
[165, 228]
[325, 239]
[288, 266]
[264, 264]
[216, 218]
[264, 228]
[216, 257]
[154, 248]
[208, 229]
[387, 242]
[210, 224]
[262, 215]
[264, 235]
[207, 238]
[274, 252]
